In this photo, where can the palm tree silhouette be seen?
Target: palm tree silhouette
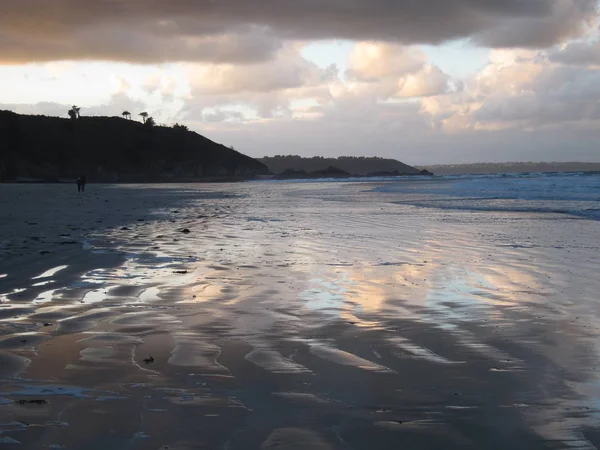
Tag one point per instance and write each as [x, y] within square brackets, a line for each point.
[76, 109]
[126, 114]
[144, 115]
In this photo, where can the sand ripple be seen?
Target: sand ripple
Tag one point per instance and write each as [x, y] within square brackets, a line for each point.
[292, 316]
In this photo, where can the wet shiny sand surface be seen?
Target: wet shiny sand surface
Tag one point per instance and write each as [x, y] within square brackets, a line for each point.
[292, 316]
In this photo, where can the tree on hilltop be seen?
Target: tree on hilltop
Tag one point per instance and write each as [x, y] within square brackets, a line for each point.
[180, 127]
[74, 112]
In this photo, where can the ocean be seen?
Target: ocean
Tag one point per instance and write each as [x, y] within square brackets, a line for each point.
[575, 193]
[569, 193]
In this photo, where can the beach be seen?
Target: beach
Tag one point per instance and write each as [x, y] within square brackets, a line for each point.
[384, 314]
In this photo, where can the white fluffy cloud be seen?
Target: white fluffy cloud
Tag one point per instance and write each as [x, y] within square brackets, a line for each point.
[287, 70]
[395, 71]
[260, 90]
[521, 90]
[429, 81]
[374, 61]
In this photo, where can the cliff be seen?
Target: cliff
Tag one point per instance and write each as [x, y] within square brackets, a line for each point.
[361, 166]
[113, 149]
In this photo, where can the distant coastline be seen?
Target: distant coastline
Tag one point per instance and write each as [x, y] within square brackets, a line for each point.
[298, 167]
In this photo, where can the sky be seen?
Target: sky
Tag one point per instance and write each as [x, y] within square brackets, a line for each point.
[422, 81]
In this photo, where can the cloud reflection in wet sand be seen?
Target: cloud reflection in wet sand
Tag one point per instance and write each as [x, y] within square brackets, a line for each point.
[401, 337]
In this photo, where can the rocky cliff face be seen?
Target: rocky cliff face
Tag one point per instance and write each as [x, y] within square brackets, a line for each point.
[113, 149]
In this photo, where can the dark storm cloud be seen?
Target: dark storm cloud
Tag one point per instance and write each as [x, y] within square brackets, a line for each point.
[143, 44]
[248, 31]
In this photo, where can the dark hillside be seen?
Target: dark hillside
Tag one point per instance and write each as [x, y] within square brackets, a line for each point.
[351, 164]
[113, 149]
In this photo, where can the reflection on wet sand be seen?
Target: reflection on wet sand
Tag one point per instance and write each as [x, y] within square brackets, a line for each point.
[332, 324]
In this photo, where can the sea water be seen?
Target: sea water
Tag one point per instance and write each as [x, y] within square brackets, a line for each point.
[575, 193]
[569, 193]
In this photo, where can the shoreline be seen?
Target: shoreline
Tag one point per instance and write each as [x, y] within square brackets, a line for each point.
[277, 177]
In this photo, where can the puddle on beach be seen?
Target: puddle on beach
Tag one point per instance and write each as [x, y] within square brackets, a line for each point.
[50, 272]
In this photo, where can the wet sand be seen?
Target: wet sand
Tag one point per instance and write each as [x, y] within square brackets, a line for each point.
[292, 316]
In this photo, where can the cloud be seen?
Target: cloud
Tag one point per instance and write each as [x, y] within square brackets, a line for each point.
[517, 89]
[220, 115]
[395, 71]
[521, 105]
[427, 82]
[399, 138]
[160, 83]
[41, 108]
[578, 53]
[117, 103]
[374, 61]
[521, 90]
[288, 69]
[561, 20]
[124, 42]
[246, 32]
[377, 72]
[266, 89]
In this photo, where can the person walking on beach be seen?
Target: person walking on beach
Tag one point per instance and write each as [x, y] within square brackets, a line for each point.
[81, 184]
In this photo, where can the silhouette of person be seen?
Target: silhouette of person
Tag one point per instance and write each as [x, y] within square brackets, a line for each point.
[81, 184]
